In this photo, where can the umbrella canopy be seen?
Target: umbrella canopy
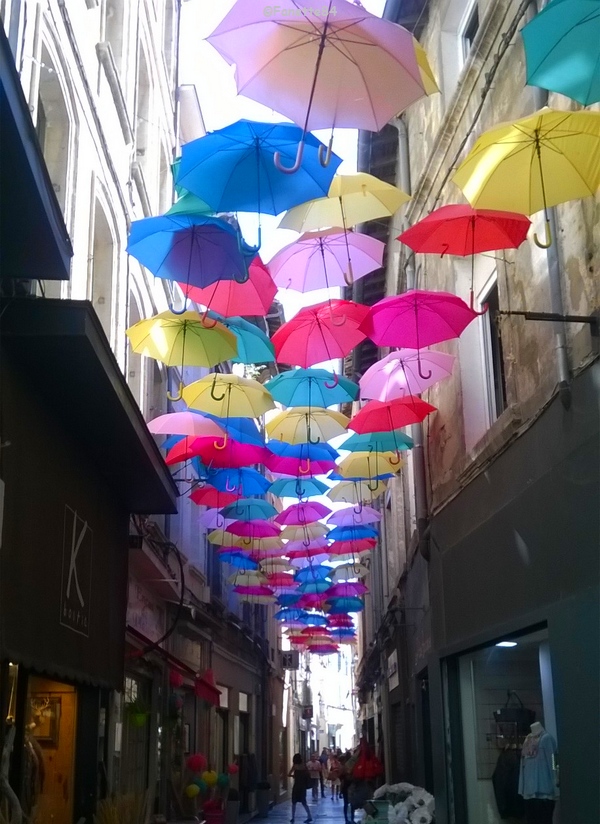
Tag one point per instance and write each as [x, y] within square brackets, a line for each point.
[254, 529]
[241, 429]
[209, 496]
[329, 258]
[352, 533]
[256, 594]
[314, 587]
[253, 345]
[242, 481]
[393, 441]
[281, 580]
[311, 387]
[272, 565]
[348, 517]
[298, 488]
[248, 578]
[351, 199]
[302, 451]
[323, 332]
[224, 395]
[340, 620]
[299, 615]
[304, 533]
[369, 465]
[238, 559]
[185, 423]
[300, 514]
[233, 168]
[212, 519]
[182, 340]
[304, 65]
[304, 424]
[323, 649]
[546, 158]
[343, 605]
[399, 374]
[251, 545]
[561, 49]
[356, 492]
[221, 452]
[348, 571]
[346, 590]
[299, 466]
[248, 509]
[301, 547]
[192, 249]
[313, 573]
[383, 416]
[230, 298]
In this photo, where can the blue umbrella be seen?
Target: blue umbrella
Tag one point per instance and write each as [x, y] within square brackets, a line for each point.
[297, 488]
[192, 249]
[245, 480]
[314, 573]
[287, 599]
[352, 533]
[312, 387]
[253, 346]
[249, 509]
[314, 587]
[232, 169]
[340, 606]
[391, 441]
[239, 560]
[290, 614]
[243, 430]
[315, 452]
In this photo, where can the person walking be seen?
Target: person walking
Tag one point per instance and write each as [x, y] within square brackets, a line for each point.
[323, 758]
[314, 768]
[335, 769]
[345, 782]
[301, 777]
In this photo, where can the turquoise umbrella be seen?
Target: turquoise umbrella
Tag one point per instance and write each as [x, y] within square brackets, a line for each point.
[562, 49]
[249, 509]
[298, 488]
[392, 441]
[312, 387]
[252, 343]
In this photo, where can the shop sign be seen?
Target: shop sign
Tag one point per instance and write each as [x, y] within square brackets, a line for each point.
[392, 670]
[143, 612]
[76, 577]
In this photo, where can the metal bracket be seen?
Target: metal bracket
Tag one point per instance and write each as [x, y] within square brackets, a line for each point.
[592, 320]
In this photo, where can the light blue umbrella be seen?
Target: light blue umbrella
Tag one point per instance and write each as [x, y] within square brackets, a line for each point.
[312, 387]
[249, 509]
[392, 441]
[298, 488]
[314, 573]
[239, 560]
[340, 606]
[253, 346]
[314, 587]
[243, 430]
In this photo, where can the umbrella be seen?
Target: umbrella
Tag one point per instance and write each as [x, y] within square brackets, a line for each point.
[398, 374]
[194, 249]
[313, 573]
[392, 441]
[240, 560]
[329, 258]
[299, 514]
[303, 451]
[304, 533]
[346, 48]
[340, 620]
[546, 158]
[247, 578]
[303, 424]
[323, 332]
[272, 565]
[209, 496]
[367, 465]
[383, 416]
[185, 423]
[311, 387]
[298, 488]
[356, 532]
[348, 517]
[355, 492]
[189, 204]
[282, 581]
[299, 615]
[253, 529]
[314, 587]
[561, 49]
[323, 649]
[247, 509]
[233, 168]
[336, 476]
[227, 539]
[252, 344]
[223, 452]
[255, 594]
[224, 395]
[242, 481]
[311, 601]
[346, 590]
[345, 572]
[303, 548]
[287, 599]
[306, 462]
[242, 429]
[347, 604]
[212, 519]
[351, 199]
[229, 297]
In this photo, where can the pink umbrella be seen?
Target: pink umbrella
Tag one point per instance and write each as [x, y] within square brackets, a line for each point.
[292, 467]
[341, 620]
[329, 258]
[253, 529]
[417, 318]
[400, 374]
[231, 298]
[212, 519]
[186, 423]
[282, 579]
[352, 547]
[350, 517]
[302, 513]
[231, 454]
[244, 589]
[323, 649]
[346, 590]
[311, 601]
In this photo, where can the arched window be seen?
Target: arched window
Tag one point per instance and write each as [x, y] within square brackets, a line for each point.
[113, 29]
[102, 256]
[53, 127]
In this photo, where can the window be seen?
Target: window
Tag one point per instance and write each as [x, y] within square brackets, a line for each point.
[469, 31]
[113, 29]
[459, 29]
[100, 289]
[494, 356]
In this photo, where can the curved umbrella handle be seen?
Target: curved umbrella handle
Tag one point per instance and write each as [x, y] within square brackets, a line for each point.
[224, 444]
[334, 322]
[325, 153]
[396, 460]
[360, 508]
[205, 318]
[422, 374]
[349, 276]
[299, 154]
[230, 488]
[304, 471]
[180, 311]
[310, 440]
[336, 380]
[548, 241]
[302, 517]
[246, 541]
[178, 396]
[220, 521]
[306, 542]
[370, 486]
[212, 392]
[472, 306]
[298, 489]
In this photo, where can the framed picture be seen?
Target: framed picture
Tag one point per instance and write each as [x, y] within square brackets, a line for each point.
[45, 713]
[186, 739]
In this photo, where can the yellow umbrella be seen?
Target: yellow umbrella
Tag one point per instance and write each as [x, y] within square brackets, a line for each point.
[306, 424]
[351, 199]
[248, 578]
[304, 533]
[349, 571]
[228, 396]
[356, 492]
[547, 158]
[369, 465]
[270, 565]
[228, 539]
[427, 76]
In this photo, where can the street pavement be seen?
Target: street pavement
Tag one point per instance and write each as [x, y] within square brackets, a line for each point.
[323, 811]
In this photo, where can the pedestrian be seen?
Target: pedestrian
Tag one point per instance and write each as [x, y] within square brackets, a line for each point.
[314, 769]
[301, 777]
[335, 769]
[323, 758]
[345, 783]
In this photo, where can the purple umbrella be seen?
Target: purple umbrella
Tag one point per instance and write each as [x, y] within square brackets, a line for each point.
[350, 517]
[399, 374]
[302, 513]
[212, 519]
[346, 590]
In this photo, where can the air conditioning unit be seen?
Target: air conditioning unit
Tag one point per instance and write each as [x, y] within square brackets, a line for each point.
[290, 659]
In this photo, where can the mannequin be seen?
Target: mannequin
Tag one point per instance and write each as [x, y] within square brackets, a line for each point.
[537, 776]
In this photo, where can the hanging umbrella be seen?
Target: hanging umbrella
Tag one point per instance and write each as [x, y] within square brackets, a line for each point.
[299, 514]
[353, 548]
[329, 258]
[185, 423]
[298, 488]
[240, 560]
[287, 599]
[299, 615]
[209, 496]
[214, 452]
[248, 509]
[247, 578]
[303, 451]
[561, 49]
[253, 345]
[347, 604]
[233, 168]
[212, 519]
[314, 587]
[224, 395]
[397, 375]
[546, 158]
[252, 545]
[304, 424]
[192, 249]
[254, 529]
[299, 459]
[230, 298]
[355, 492]
[281, 579]
[189, 204]
[340, 620]
[366, 465]
[306, 532]
[313, 573]
[383, 416]
[311, 601]
[347, 590]
[304, 65]
[336, 476]
[354, 532]
[323, 649]
[393, 441]
[346, 572]
[323, 332]
[242, 481]
[311, 387]
[348, 517]
[303, 548]
[241, 429]
[255, 594]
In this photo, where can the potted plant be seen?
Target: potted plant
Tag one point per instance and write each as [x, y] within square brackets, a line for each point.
[137, 712]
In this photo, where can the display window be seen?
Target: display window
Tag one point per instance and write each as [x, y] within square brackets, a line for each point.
[509, 732]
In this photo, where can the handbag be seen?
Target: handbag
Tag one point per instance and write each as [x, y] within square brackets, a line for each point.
[519, 715]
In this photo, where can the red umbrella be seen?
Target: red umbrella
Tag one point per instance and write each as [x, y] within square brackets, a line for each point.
[209, 450]
[384, 416]
[311, 601]
[323, 332]
[230, 298]
[209, 496]
[282, 579]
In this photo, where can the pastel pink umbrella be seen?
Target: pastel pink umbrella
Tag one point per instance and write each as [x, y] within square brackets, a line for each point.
[399, 374]
[253, 529]
[340, 620]
[282, 579]
[323, 649]
[230, 298]
[302, 513]
[346, 590]
[350, 517]
[186, 423]
[324, 259]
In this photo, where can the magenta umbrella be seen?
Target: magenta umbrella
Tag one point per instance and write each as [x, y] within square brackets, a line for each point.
[298, 467]
[253, 529]
[399, 374]
[259, 591]
[346, 590]
[333, 257]
[302, 513]
[350, 517]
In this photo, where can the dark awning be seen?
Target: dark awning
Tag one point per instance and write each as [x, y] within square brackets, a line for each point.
[61, 347]
[34, 242]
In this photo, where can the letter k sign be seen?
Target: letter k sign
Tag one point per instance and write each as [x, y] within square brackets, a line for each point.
[76, 540]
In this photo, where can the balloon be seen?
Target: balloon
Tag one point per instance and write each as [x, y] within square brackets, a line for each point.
[192, 791]
[223, 780]
[202, 785]
[233, 769]
[196, 763]
[210, 777]
[175, 679]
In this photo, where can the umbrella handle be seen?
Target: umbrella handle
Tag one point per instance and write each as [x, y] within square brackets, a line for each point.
[325, 153]
[180, 311]
[223, 445]
[370, 486]
[246, 541]
[299, 153]
[302, 517]
[220, 525]
[336, 380]
[304, 471]
[178, 396]
[230, 488]
[205, 318]
[396, 460]
[306, 542]
[212, 392]
[548, 241]
[422, 374]
[334, 322]
[360, 508]
[472, 308]
[310, 440]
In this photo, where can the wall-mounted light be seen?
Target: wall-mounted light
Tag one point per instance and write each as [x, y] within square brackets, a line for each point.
[506, 644]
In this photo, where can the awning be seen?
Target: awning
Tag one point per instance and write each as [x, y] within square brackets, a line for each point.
[207, 689]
